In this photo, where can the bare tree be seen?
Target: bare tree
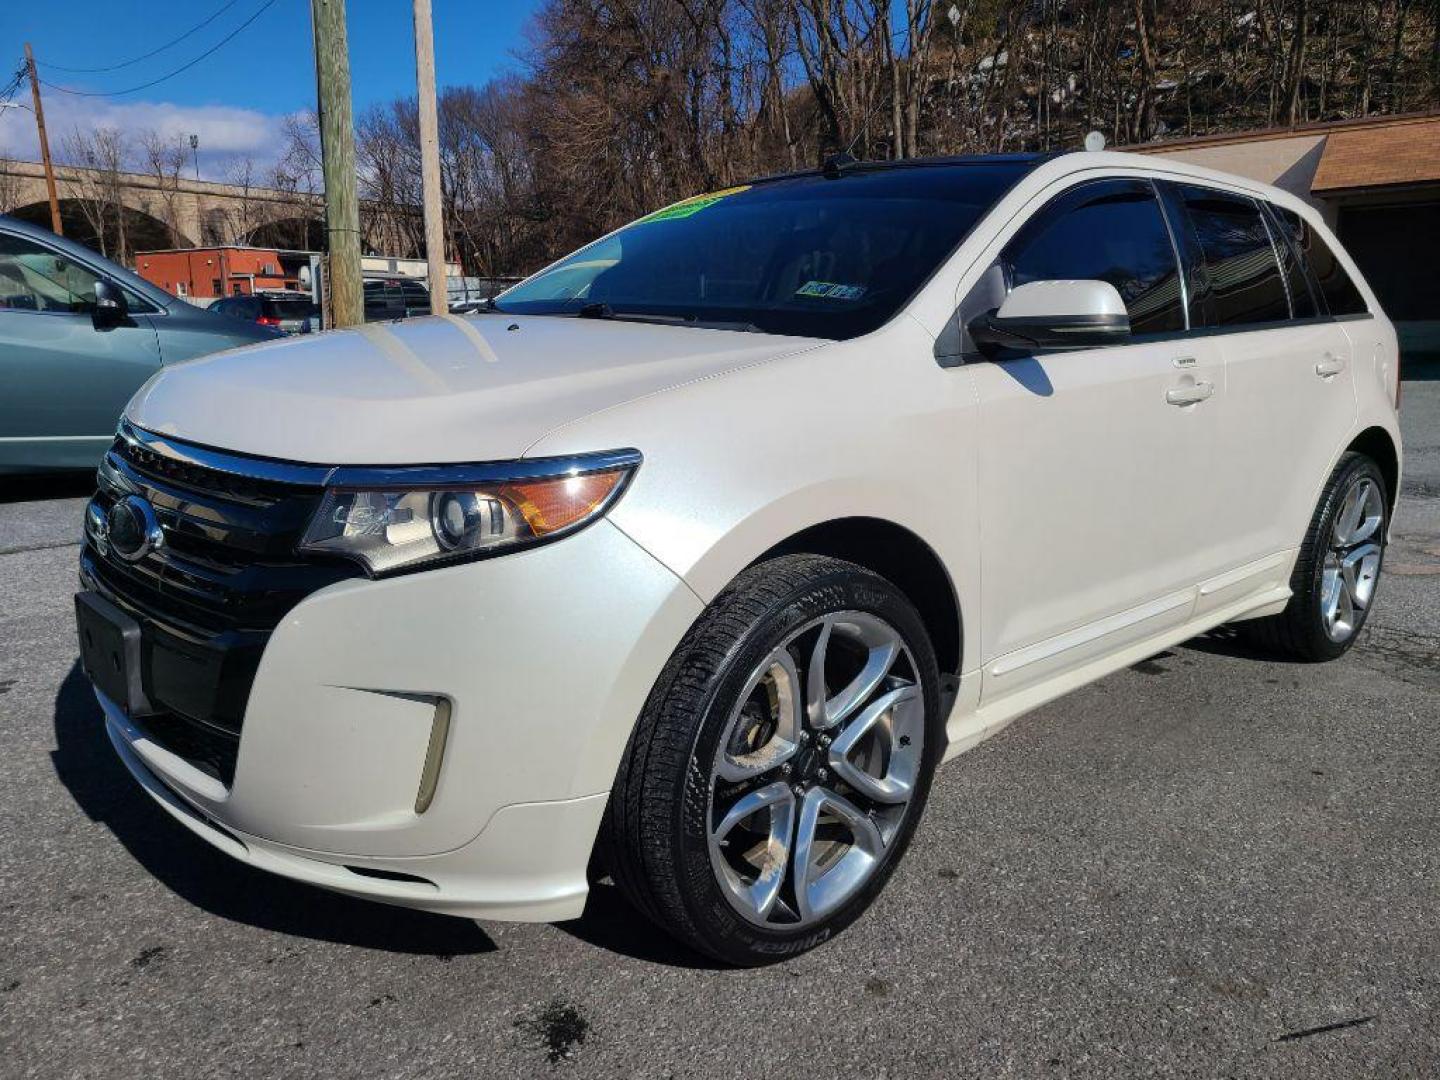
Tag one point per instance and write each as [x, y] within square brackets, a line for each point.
[627, 105]
[163, 159]
[248, 214]
[95, 181]
[9, 185]
[296, 181]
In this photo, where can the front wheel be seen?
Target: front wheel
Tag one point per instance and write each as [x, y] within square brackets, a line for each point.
[1338, 569]
[779, 768]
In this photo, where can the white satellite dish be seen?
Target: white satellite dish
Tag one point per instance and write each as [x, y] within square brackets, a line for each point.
[1095, 142]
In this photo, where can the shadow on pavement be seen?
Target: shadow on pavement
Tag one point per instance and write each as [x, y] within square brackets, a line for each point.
[1230, 640]
[86, 764]
[63, 485]
[610, 923]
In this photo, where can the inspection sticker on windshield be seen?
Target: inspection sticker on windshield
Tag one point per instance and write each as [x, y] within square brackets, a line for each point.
[828, 290]
[687, 207]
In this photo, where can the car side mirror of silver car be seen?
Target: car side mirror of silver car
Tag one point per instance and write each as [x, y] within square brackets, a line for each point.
[1053, 315]
[110, 308]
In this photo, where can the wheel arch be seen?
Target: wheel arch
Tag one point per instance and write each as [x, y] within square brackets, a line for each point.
[1379, 445]
[899, 556]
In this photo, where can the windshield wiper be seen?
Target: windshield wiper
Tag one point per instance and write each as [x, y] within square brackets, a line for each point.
[599, 309]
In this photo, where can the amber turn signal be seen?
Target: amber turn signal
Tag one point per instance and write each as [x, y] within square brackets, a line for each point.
[551, 506]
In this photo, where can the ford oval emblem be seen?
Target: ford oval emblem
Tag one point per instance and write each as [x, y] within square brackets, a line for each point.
[132, 529]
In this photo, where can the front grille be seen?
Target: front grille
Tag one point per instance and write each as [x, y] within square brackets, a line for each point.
[209, 597]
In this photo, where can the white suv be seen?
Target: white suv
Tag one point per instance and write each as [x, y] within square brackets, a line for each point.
[691, 559]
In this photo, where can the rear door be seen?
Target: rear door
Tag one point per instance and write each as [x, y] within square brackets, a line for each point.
[1096, 506]
[63, 382]
[1288, 374]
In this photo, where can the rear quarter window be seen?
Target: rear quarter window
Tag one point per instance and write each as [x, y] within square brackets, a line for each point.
[1339, 292]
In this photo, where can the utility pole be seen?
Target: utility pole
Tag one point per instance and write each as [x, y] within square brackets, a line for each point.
[430, 158]
[195, 149]
[337, 152]
[44, 144]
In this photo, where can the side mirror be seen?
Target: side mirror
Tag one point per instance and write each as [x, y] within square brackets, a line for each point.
[1053, 315]
[110, 308]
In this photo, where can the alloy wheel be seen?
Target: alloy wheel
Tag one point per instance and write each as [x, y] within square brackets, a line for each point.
[1352, 561]
[815, 770]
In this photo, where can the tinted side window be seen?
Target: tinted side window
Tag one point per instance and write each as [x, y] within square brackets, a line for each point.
[1302, 297]
[1243, 278]
[1341, 295]
[1108, 230]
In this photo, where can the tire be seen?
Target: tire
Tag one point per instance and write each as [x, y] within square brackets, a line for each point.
[1337, 570]
[734, 723]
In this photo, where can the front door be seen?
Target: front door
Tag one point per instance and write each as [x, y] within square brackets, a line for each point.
[63, 383]
[1097, 511]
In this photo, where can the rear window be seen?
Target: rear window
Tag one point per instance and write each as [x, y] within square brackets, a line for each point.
[240, 307]
[288, 309]
[1341, 295]
[1243, 278]
[829, 258]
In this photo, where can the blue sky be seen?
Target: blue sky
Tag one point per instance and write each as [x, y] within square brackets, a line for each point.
[234, 100]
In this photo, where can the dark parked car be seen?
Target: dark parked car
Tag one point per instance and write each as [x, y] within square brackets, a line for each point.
[287, 313]
[395, 298]
[78, 336]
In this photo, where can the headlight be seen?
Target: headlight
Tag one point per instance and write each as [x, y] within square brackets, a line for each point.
[400, 519]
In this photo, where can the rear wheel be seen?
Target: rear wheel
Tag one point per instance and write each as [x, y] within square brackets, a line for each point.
[781, 763]
[1338, 568]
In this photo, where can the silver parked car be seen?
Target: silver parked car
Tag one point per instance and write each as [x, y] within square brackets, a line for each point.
[78, 336]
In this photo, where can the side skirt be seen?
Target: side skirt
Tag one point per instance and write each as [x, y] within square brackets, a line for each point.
[970, 724]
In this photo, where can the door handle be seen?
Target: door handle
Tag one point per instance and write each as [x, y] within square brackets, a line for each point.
[1189, 395]
[1330, 366]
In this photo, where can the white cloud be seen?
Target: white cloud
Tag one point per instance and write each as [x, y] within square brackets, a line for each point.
[226, 133]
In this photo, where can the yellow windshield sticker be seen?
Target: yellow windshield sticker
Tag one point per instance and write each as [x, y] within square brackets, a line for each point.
[686, 207]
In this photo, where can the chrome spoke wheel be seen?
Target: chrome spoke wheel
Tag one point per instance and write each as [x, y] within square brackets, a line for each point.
[816, 769]
[1352, 561]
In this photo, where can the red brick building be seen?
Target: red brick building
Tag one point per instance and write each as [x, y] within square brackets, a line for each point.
[221, 271]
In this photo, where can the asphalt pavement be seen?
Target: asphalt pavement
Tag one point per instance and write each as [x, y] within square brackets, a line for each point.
[1210, 864]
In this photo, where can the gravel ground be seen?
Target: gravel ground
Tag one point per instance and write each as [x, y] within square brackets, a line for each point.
[1206, 865]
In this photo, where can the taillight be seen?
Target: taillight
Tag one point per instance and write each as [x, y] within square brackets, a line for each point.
[268, 320]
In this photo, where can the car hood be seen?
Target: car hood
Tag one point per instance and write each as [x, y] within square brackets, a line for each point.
[432, 390]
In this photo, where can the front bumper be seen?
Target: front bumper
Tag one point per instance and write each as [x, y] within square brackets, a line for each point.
[544, 659]
[527, 865]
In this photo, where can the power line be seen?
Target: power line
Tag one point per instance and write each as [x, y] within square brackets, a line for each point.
[171, 75]
[146, 56]
[16, 81]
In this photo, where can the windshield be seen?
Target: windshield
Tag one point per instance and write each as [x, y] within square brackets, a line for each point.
[804, 255]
